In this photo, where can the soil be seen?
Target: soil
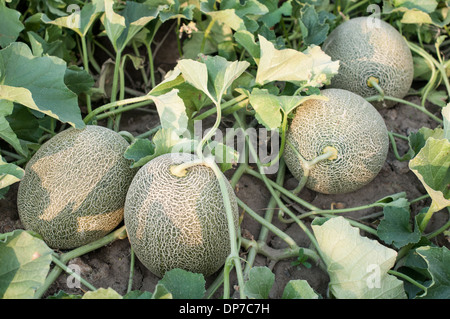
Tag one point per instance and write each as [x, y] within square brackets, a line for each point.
[109, 266]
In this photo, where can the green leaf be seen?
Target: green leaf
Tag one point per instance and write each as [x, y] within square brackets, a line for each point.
[438, 261]
[225, 156]
[197, 44]
[38, 83]
[78, 80]
[276, 12]
[417, 140]
[10, 25]
[79, 21]
[25, 125]
[41, 47]
[161, 292]
[396, 200]
[313, 30]
[102, 293]
[63, 295]
[9, 173]
[25, 264]
[395, 228]
[432, 167]
[183, 284]
[299, 289]
[438, 98]
[268, 106]
[247, 40]
[174, 9]
[358, 266]
[259, 283]
[164, 141]
[309, 68]
[213, 76]
[123, 26]
[6, 132]
[137, 294]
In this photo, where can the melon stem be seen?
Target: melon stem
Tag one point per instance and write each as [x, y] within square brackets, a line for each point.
[180, 170]
[233, 258]
[373, 82]
[330, 153]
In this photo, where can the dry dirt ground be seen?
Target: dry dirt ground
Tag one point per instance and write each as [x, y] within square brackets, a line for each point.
[109, 266]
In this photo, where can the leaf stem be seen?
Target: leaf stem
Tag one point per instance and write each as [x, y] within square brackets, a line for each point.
[115, 82]
[420, 108]
[86, 67]
[407, 278]
[130, 279]
[138, 101]
[72, 273]
[234, 255]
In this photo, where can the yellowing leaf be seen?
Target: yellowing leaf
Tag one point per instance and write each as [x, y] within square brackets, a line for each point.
[357, 265]
[432, 167]
[312, 67]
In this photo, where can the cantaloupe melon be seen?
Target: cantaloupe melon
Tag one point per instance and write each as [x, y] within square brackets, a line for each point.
[178, 222]
[346, 123]
[74, 187]
[368, 47]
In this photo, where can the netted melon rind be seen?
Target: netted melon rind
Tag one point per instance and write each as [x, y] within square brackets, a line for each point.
[365, 50]
[348, 123]
[178, 222]
[74, 187]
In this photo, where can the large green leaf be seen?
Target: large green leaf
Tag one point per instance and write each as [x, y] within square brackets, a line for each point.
[123, 26]
[10, 25]
[25, 262]
[6, 132]
[213, 76]
[259, 283]
[164, 141]
[432, 167]
[358, 266]
[395, 228]
[38, 83]
[314, 31]
[9, 173]
[438, 261]
[268, 107]
[174, 9]
[309, 68]
[79, 21]
[276, 12]
[183, 284]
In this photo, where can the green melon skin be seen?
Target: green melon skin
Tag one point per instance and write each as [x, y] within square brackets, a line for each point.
[74, 188]
[353, 127]
[364, 51]
[178, 222]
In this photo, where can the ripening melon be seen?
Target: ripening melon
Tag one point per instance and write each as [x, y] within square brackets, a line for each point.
[178, 222]
[368, 47]
[346, 123]
[74, 187]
